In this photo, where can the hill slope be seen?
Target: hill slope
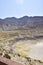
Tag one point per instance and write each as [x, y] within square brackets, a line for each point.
[21, 23]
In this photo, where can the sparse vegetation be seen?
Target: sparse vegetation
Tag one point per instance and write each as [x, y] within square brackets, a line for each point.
[7, 56]
[15, 45]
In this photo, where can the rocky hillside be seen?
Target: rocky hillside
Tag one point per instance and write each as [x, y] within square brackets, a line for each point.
[12, 23]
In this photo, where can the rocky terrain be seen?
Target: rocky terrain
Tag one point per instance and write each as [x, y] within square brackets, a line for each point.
[21, 23]
[19, 52]
[17, 49]
[20, 38]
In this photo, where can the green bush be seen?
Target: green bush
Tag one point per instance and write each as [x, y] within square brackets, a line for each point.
[7, 56]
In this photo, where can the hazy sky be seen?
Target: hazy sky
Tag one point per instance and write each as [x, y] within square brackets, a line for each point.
[18, 8]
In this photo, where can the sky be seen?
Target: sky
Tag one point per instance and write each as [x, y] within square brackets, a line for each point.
[19, 8]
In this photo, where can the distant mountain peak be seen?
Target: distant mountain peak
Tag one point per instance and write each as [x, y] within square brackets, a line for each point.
[25, 22]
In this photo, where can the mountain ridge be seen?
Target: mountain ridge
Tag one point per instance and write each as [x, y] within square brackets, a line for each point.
[25, 22]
